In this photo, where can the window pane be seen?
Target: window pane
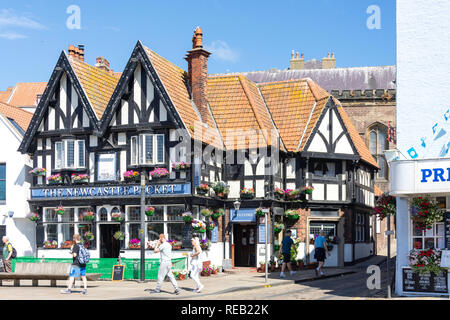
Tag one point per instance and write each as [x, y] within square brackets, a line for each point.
[103, 214]
[174, 213]
[148, 148]
[174, 231]
[318, 170]
[417, 243]
[81, 153]
[381, 142]
[134, 231]
[429, 243]
[441, 243]
[154, 230]
[160, 144]
[67, 231]
[70, 153]
[52, 232]
[51, 215]
[134, 214]
[133, 150]
[2, 171]
[373, 142]
[417, 232]
[331, 169]
[3, 190]
[59, 155]
[68, 216]
[158, 215]
[382, 165]
[141, 149]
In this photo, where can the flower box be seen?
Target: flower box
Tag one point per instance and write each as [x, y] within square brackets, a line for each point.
[38, 172]
[134, 244]
[80, 178]
[55, 179]
[131, 176]
[202, 189]
[67, 244]
[247, 193]
[159, 173]
[424, 261]
[279, 194]
[291, 194]
[51, 245]
[221, 189]
[180, 166]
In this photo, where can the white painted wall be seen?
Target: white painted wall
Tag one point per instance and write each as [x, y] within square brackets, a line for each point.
[330, 261]
[348, 252]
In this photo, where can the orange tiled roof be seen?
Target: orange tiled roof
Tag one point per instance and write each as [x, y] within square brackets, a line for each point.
[361, 147]
[98, 84]
[291, 104]
[173, 79]
[19, 115]
[24, 94]
[4, 95]
[237, 105]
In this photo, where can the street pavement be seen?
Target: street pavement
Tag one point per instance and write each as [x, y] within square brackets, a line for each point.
[339, 283]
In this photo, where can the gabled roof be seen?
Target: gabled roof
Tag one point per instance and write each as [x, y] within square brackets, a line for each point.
[174, 80]
[24, 94]
[20, 116]
[98, 84]
[237, 105]
[295, 107]
[4, 95]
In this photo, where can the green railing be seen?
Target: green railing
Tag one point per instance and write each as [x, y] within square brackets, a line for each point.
[105, 266]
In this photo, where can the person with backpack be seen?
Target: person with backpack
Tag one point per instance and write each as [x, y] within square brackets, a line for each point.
[78, 268]
[9, 253]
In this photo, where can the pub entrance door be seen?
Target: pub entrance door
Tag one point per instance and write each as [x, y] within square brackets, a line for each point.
[109, 246]
[244, 236]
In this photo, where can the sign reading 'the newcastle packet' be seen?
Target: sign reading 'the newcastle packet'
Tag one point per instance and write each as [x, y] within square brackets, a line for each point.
[109, 191]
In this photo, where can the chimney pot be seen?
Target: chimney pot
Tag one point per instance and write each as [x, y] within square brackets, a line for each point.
[302, 56]
[292, 55]
[296, 56]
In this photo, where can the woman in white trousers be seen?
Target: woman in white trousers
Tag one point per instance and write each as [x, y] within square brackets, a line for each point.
[196, 264]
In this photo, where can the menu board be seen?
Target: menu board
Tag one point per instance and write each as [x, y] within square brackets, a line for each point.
[427, 282]
[215, 235]
[186, 234]
[106, 167]
[118, 272]
[262, 233]
[447, 230]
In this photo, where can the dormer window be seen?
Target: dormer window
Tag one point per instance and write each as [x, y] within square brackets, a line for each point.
[70, 154]
[147, 149]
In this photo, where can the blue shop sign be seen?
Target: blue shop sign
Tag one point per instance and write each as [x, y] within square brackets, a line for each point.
[243, 215]
[122, 191]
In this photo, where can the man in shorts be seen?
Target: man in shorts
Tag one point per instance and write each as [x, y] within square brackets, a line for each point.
[76, 269]
[286, 246]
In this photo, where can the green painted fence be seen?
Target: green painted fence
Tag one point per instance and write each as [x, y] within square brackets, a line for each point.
[105, 266]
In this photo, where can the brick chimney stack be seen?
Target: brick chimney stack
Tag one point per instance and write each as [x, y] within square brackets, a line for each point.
[297, 63]
[102, 63]
[329, 62]
[76, 52]
[197, 59]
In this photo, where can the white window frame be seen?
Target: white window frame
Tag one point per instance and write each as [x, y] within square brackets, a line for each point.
[62, 163]
[137, 157]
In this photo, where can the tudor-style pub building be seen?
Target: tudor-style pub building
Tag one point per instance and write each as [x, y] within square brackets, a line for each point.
[93, 127]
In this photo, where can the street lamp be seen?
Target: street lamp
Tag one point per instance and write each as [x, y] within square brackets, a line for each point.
[237, 205]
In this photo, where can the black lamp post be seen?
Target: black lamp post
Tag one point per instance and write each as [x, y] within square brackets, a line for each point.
[142, 233]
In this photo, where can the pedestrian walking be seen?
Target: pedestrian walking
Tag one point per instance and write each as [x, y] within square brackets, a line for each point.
[77, 269]
[7, 254]
[320, 248]
[165, 266]
[196, 264]
[286, 246]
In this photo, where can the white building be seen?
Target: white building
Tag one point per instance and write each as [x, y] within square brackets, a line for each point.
[423, 110]
[14, 184]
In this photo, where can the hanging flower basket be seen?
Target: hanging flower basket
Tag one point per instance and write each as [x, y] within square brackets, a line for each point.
[428, 212]
[180, 166]
[291, 194]
[187, 217]
[385, 205]
[134, 244]
[131, 176]
[198, 226]
[38, 172]
[291, 214]
[211, 226]
[55, 179]
[202, 189]
[307, 190]
[88, 216]
[149, 211]
[33, 216]
[206, 213]
[119, 235]
[259, 212]
[159, 173]
[89, 236]
[276, 247]
[424, 261]
[279, 193]
[117, 216]
[60, 210]
[278, 227]
[204, 244]
[218, 213]
[80, 178]
[247, 193]
[221, 189]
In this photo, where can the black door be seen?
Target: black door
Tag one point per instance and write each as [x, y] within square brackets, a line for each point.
[244, 245]
[109, 247]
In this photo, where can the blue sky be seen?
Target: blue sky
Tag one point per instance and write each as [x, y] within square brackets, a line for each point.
[242, 35]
